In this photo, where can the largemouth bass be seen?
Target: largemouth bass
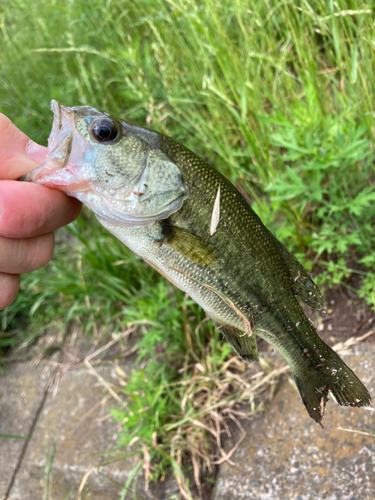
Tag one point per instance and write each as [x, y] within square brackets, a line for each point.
[191, 224]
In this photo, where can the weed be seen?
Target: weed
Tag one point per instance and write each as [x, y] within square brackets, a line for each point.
[49, 455]
[182, 401]
[326, 189]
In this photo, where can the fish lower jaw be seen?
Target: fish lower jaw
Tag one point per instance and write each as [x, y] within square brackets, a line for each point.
[122, 212]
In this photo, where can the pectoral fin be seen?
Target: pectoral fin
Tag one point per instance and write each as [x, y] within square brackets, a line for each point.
[189, 245]
[244, 344]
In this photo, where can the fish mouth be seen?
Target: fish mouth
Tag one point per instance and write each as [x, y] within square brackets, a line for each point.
[56, 171]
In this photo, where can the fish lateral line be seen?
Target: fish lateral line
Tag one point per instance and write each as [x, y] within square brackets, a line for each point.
[267, 332]
[178, 271]
[226, 300]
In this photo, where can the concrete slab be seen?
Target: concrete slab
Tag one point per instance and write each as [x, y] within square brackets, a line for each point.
[73, 428]
[285, 455]
[22, 389]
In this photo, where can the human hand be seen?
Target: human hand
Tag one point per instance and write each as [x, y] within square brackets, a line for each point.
[29, 213]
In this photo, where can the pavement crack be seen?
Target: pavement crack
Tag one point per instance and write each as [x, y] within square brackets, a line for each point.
[31, 431]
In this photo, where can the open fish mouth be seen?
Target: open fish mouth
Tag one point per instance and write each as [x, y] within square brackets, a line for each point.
[115, 173]
[57, 171]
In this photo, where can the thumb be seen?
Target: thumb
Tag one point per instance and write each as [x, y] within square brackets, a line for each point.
[18, 154]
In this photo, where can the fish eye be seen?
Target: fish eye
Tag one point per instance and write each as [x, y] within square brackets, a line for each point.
[105, 130]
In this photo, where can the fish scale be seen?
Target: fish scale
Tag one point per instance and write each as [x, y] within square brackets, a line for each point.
[241, 232]
[240, 274]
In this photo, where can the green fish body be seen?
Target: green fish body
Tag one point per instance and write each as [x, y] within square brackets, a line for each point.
[191, 224]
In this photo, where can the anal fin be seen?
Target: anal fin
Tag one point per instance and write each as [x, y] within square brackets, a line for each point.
[244, 344]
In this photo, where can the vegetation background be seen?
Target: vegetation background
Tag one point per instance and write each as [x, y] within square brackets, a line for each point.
[278, 95]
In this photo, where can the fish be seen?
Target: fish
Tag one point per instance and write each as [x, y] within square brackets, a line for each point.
[190, 223]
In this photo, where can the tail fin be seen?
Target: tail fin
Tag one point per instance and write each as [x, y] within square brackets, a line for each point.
[316, 382]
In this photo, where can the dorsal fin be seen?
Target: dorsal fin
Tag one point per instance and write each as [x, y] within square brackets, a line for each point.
[301, 282]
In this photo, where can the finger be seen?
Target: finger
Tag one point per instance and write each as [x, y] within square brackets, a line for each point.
[18, 155]
[9, 286]
[19, 256]
[28, 210]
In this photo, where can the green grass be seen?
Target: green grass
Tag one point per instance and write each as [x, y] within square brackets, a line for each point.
[278, 95]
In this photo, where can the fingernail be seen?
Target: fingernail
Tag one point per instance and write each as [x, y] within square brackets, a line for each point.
[36, 152]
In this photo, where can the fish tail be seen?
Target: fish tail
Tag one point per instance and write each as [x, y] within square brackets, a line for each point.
[317, 381]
